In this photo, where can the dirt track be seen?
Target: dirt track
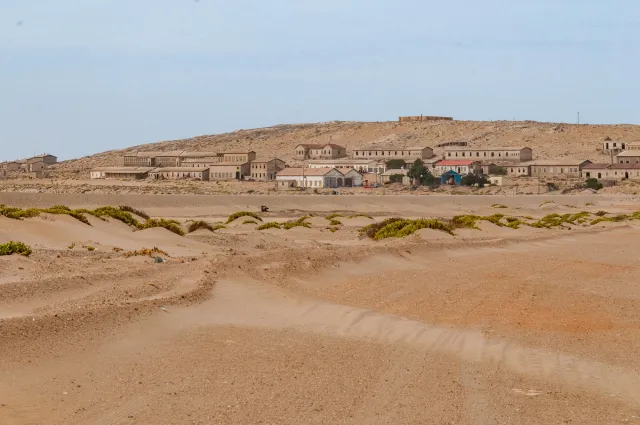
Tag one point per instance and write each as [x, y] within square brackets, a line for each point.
[493, 326]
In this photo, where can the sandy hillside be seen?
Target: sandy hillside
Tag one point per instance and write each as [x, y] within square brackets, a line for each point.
[548, 140]
[320, 324]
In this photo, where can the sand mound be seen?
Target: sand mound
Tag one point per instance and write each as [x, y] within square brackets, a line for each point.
[320, 221]
[490, 229]
[433, 235]
[358, 221]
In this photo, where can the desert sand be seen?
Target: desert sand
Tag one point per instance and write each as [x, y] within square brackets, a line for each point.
[247, 326]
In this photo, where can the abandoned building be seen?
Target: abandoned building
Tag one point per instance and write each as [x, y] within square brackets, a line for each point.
[459, 166]
[515, 154]
[559, 168]
[316, 178]
[616, 172]
[133, 173]
[387, 153]
[628, 157]
[306, 151]
[387, 178]
[230, 170]
[266, 169]
[177, 173]
[361, 165]
[614, 147]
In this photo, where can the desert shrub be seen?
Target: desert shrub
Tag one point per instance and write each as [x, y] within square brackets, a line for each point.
[396, 178]
[514, 222]
[301, 222]
[335, 222]
[170, 225]
[636, 215]
[249, 222]
[395, 164]
[361, 215]
[145, 252]
[17, 213]
[498, 206]
[614, 219]
[116, 249]
[239, 214]
[62, 209]
[72, 245]
[333, 229]
[402, 227]
[137, 212]
[554, 220]
[200, 224]
[601, 213]
[589, 204]
[14, 247]
[593, 184]
[371, 229]
[117, 214]
[333, 216]
[468, 221]
[269, 225]
[90, 248]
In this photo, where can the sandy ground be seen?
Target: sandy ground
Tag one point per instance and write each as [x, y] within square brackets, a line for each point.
[239, 326]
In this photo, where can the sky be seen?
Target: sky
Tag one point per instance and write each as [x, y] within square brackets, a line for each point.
[79, 77]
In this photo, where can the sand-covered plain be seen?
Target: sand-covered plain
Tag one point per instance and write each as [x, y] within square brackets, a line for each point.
[242, 326]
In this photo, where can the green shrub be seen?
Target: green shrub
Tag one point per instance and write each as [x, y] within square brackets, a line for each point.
[170, 225]
[61, 209]
[90, 248]
[239, 214]
[333, 229]
[361, 215]
[498, 206]
[132, 210]
[333, 216]
[371, 229]
[13, 247]
[72, 245]
[601, 213]
[468, 221]
[398, 228]
[514, 222]
[269, 225]
[554, 220]
[593, 184]
[335, 222]
[615, 219]
[200, 224]
[218, 227]
[301, 222]
[547, 202]
[117, 214]
[249, 222]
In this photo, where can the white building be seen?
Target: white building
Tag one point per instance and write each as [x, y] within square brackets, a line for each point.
[361, 165]
[459, 166]
[316, 178]
[120, 172]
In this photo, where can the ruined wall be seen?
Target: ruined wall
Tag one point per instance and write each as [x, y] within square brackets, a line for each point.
[425, 118]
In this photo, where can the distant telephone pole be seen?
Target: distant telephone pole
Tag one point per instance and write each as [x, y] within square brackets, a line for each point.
[578, 117]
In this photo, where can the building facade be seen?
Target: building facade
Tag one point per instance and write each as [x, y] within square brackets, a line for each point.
[10, 166]
[614, 147]
[230, 170]
[615, 172]
[46, 158]
[306, 151]
[515, 154]
[361, 165]
[120, 173]
[266, 169]
[628, 157]
[178, 173]
[316, 178]
[351, 177]
[462, 167]
[570, 168]
[409, 154]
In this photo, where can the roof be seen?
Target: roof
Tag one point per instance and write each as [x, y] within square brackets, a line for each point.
[179, 169]
[43, 155]
[596, 166]
[295, 171]
[152, 154]
[392, 148]
[567, 161]
[132, 170]
[196, 154]
[395, 171]
[343, 161]
[486, 148]
[629, 153]
[229, 163]
[347, 170]
[447, 162]
[265, 160]
[311, 145]
[450, 172]
[237, 153]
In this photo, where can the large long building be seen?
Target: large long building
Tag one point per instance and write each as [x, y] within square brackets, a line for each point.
[502, 153]
[387, 153]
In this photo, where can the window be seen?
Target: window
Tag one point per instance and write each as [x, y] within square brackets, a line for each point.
[492, 154]
[477, 153]
[449, 154]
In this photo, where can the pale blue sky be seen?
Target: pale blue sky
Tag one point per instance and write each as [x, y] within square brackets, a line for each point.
[83, 76]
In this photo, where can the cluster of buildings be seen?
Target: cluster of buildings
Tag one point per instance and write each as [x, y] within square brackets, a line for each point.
[35, 166]
[329, 165]
[197, 165]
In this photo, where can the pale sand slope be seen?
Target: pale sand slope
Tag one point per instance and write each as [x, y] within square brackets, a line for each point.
[535, 332]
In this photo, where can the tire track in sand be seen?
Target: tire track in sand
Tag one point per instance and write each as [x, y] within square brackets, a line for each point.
[237, 303]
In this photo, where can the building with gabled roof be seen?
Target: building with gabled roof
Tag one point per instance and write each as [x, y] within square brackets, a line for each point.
[491, 153]
[387, 153]
[460, 166]
[306, 151]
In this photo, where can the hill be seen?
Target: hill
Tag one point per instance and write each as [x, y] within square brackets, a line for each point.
[548, 140]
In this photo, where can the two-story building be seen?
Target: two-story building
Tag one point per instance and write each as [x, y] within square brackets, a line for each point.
[266, 169]
[617, 172]
[306, 151]
[504, 153]
[562, 168]
[361, 165]
[460, 166]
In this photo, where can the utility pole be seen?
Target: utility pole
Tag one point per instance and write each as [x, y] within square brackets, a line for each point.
[578, 117]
